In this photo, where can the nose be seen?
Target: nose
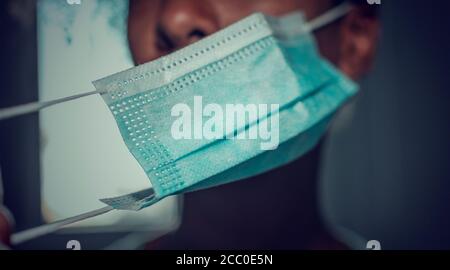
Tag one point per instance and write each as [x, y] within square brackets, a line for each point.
[183, 22]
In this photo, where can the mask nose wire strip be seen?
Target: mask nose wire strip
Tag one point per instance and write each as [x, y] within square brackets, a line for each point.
[36, 106]
[328, 17]
[32, 233]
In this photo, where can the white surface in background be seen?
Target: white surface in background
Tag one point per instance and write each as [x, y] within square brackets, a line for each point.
[83, 155]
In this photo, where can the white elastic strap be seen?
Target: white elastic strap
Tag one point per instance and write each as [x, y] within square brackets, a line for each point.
[37, 106]
[29, 234]
[328, 17]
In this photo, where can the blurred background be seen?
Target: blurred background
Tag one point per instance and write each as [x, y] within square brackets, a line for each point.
[385, 170]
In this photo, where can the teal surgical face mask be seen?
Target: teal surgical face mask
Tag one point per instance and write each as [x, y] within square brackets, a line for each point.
[173, 113]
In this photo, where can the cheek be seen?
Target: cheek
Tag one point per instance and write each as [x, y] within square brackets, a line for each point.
[230, 11]
[142, 21]
[141, 45]
[279, 7]
[328, 42]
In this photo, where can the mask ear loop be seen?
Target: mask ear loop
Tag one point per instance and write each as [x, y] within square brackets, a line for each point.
[32, 233]
[113, 204]
[328, 17]
[37, 106]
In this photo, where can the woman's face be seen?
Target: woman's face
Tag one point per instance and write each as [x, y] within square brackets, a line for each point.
[158, 27]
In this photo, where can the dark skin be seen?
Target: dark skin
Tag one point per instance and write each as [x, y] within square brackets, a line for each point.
[279, 209]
